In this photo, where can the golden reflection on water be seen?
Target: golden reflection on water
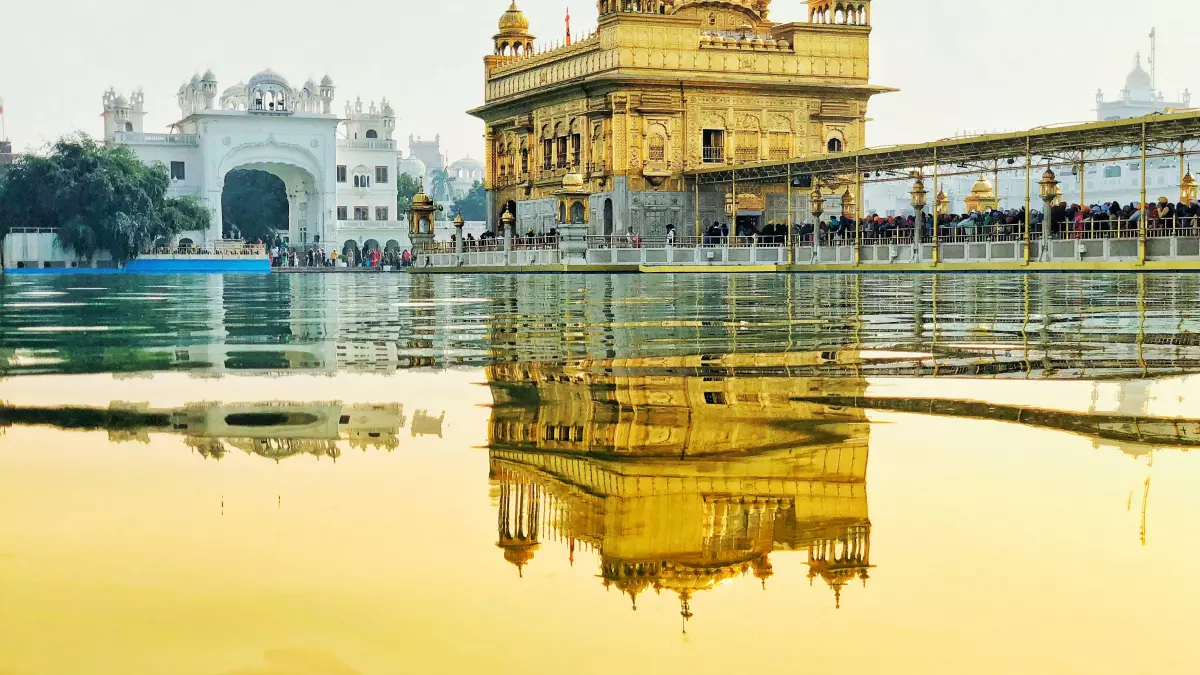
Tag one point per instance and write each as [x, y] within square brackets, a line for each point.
[653, 515]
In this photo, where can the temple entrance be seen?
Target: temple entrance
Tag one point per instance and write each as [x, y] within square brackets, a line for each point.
[608, 217]
[254, 206]
[749, 224]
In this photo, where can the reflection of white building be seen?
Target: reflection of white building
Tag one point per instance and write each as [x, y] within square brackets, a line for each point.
[266, 125]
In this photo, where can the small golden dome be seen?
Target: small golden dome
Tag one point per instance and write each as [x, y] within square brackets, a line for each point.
[572, 181]
[514, 21]
[982, 188]
[1049, 175]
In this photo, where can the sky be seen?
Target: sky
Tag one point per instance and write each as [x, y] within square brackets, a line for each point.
[960, 65]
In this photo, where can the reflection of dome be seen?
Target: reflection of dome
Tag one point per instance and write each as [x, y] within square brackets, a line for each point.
[514, 21]
[268, 77]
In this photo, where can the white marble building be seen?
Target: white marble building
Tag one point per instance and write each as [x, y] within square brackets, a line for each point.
[338, 173]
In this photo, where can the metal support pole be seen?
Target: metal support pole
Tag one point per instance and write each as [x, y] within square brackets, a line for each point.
[937, 247]
[787, 240]
[1142, 224]
[857, 212]
[1028, 195]
[697, 182]
[733, 209]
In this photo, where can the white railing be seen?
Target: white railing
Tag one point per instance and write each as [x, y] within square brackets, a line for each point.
[366, 144]
[137, 138]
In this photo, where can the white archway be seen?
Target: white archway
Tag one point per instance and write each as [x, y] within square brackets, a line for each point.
[309, 185]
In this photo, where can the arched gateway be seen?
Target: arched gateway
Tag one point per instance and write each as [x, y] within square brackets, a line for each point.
[263, 125]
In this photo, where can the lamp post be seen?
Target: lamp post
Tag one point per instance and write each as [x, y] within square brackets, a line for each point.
[1187, 188]
[1048, 191]
[918, 194]
[816, 204]
[458, 234]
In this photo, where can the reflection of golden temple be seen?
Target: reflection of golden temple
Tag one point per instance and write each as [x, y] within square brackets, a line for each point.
[678, 482]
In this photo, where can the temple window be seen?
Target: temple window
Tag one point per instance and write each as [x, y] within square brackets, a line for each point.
[780, 144]
[657, 151]
[371, 133]
[381, 174]
[361, 213]
[548, 154]
[747, 148]
[341, 213]
[576, 148]
[381, 213]
[834, 145]
[177, 171]
[341, 173]
[561, 154]
[714, 145]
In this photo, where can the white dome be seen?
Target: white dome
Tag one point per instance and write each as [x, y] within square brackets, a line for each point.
[121, 102]
[310, 85]
[1138, 78]
[411, 166]
[268, 77]
[208, 76]
[326, 81]
[238, 89]
[467, 163]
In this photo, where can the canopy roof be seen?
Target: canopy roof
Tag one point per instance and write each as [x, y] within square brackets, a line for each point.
[1050, 141]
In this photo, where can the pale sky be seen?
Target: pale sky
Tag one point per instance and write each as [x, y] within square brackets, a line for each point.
[960, 64]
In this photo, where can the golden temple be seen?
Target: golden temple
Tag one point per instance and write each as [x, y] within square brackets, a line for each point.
[600, 129]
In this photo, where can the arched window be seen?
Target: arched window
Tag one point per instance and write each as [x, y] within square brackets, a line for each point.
[356, 181]
[372, 134]
[562, 212]
[835, 145]
[658, 149]
[577, 212]
[129, 126]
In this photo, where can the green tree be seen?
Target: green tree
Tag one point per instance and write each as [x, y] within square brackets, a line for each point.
[406, 187]
[99, 197]
[254, 205]
[439, 185]
[473, 206]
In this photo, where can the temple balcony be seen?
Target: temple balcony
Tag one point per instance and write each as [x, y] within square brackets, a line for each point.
[137, 138]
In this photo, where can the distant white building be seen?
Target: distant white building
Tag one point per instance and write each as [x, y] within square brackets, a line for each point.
[338, 173]
[1100, 182]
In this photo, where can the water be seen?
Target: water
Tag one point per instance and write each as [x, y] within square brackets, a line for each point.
[336, 474]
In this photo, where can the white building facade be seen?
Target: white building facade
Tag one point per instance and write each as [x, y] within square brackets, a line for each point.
[337, 173]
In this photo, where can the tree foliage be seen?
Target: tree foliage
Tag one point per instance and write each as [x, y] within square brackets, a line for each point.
[254, 205]
[439, 188]
[406, 187]
[99, 197]
[473, 205]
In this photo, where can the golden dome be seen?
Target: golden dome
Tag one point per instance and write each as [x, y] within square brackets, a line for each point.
[514, 21]
[572, 181]
[982, 188]
[421, 198]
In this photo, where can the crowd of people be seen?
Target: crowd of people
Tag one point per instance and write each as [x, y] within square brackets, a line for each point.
[314, 255]
[1067, 221]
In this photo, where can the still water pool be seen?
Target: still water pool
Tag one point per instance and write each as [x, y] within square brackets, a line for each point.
[377, 474]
